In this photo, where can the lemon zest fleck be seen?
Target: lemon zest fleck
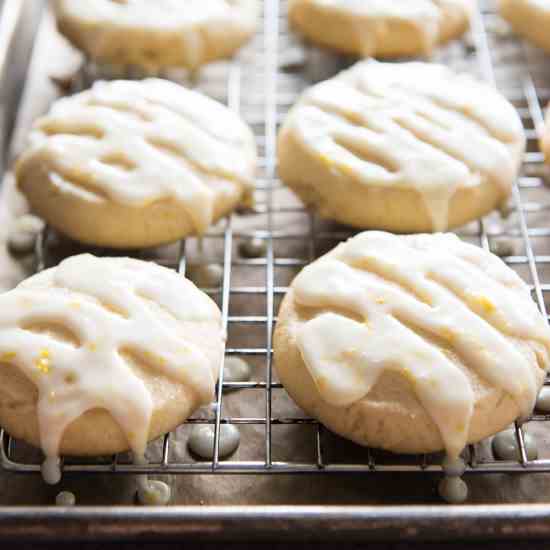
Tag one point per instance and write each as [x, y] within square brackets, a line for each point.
[485, 303]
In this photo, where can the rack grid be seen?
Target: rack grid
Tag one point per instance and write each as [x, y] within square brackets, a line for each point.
[262, 84]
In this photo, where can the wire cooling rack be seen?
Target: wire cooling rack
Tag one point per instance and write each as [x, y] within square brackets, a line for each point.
[262, 84]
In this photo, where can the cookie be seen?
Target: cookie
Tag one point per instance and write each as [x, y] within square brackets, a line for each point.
[411, 344]
[404, 147]
[379, 28]
[101, 355]
[530, 19]
[131, 164]
[159, 34]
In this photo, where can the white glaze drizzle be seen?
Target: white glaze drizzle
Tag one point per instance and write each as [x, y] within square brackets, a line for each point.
[136, 143]
[111, 306]
[412, 125]
[399, 288]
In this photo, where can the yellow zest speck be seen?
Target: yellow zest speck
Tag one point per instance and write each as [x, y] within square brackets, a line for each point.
[448, 334]
[322, 383]
[350, 354]
[8, 356]
[92, 346]
[43, 365]
[380, 300]
[326, 160]
[154, 358]
[347, 170]
[485, 303]
[45, 353]
[460, 427]
[407, 373]
[356, 118]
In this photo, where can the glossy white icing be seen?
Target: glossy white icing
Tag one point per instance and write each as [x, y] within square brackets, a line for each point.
[380, 294]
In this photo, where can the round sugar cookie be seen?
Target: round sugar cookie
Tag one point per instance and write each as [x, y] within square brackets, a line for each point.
[530, 19]
[157, 34]
[378, 28]
[101, 355]
[411, 344]
[131, 164]
[404, 147]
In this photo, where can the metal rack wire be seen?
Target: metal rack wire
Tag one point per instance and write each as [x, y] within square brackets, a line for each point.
[277, 85]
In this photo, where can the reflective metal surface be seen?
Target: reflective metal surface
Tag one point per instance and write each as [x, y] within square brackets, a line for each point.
[262, 85]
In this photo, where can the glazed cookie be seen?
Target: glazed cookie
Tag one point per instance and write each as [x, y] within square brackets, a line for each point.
[101, 355]
[136, 164]
[529, 18]
[405, 147]
[380, 28]
[411, 343]
[159, 34]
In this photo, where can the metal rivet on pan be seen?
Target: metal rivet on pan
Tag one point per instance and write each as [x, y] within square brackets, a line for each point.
[453, 489]
[543, 400]
[201, 440]
[206, 275]
[505, 446]
[236, 369]
[154, 493]
[252, 248]
[503, 247]
[65, 498]
[23, 234]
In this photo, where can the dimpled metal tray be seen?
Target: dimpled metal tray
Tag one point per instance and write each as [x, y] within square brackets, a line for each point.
[261, 84]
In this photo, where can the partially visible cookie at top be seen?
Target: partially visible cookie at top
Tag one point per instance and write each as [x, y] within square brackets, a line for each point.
[530, 19]
[380, 28]
[132, 164]
[159, 34]
[404, 147]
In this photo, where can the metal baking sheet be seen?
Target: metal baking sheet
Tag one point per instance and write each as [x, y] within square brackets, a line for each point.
[348, 493]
